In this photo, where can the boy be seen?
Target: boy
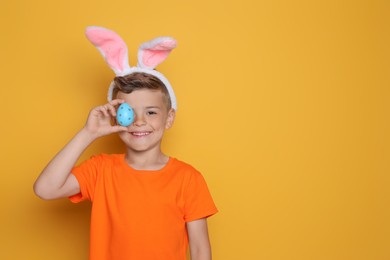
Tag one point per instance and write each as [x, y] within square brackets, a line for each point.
[145, 205]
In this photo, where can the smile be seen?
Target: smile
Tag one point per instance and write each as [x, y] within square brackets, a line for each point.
[140, 134]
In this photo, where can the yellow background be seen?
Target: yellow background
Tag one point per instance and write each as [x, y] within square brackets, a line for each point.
[283, 106]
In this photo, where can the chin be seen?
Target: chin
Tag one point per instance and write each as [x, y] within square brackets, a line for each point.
[140, 144]
[139, 149]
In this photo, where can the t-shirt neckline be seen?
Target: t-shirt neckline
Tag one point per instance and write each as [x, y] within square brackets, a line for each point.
[147, 172]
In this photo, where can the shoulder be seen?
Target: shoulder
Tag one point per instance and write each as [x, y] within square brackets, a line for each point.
[107, 157]
[104, 159]
[185, 169]
[181, 165]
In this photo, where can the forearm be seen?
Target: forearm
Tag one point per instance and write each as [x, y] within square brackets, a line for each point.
[203, 253]
[55, 181]
[200, 248]
[55, 174]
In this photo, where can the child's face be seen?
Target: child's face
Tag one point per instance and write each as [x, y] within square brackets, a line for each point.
[151, 118]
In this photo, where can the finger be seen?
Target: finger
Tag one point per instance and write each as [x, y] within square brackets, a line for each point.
[110, 109]
[116, 102]
[103, 110]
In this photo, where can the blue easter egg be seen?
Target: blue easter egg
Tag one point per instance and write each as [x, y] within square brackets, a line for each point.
[125, 115]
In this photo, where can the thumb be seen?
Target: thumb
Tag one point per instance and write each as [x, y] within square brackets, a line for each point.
[118, 128]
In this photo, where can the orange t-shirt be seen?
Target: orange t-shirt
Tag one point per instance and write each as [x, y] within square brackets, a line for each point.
[141, 215]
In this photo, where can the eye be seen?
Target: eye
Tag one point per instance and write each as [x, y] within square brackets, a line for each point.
[150, 113]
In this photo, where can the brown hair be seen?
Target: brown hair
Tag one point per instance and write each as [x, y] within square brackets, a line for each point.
[140, 80]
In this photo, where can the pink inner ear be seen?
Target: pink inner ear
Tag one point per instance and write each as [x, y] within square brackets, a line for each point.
[153, 58]
[165, 45]
[158, 53]
[111, 45]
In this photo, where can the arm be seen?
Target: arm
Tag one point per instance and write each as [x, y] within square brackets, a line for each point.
[200, 248]
[56, 180]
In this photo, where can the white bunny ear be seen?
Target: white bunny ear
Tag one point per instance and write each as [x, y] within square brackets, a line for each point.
[111, 46]
[153, 52]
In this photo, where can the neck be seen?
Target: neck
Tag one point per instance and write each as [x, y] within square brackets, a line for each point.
[148, 160]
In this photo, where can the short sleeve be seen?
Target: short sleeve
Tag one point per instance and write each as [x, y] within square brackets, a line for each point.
[86, 174]
[198, 201]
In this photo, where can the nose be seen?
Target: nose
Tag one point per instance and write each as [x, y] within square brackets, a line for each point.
[139, 120]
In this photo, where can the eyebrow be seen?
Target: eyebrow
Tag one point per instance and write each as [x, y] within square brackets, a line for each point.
[157, 107]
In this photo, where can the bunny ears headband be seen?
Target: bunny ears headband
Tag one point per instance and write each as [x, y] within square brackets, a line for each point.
[150, 54]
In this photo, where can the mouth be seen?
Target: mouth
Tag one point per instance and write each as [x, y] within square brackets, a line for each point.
[140, 134]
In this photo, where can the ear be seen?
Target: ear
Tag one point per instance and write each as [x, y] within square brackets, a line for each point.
[171, 118]
[111, 46]
[153, 52]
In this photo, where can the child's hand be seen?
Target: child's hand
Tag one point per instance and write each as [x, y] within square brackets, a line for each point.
[100, 120]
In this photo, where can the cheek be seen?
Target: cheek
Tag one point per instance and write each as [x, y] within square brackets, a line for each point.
[160, 124]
